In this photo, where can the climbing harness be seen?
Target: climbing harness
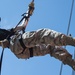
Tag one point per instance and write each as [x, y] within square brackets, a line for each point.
[31, 52]
[25, 16]
[0, 19]
[29, 13]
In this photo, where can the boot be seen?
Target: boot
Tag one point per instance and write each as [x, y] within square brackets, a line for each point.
[68, 40]
[69, 61]
[62, 54]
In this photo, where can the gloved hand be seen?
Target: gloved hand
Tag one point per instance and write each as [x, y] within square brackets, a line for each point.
[5, 43]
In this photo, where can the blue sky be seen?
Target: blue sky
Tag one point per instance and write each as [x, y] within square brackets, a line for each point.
[52, 14]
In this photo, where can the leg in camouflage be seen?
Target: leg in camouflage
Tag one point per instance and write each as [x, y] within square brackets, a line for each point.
[47, 36]
[55, 51]
[38, 50]
[41, 50]
[62, 55]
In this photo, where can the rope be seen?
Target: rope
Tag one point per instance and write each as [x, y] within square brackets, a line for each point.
[1, 60]
[61, 68]
[68, 30]
[0, 19]
[31, 6]
[70, 17]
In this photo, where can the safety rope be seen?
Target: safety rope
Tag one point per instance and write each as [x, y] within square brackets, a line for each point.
[68, 31]
[0, 19]
[1, 56]
[1, 60]
[29, 13]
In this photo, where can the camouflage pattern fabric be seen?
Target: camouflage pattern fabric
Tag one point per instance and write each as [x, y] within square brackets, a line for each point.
[46, 36]
[39, 37]
[42, 42]
[54, 51]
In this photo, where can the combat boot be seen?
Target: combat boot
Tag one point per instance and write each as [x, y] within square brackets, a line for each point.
[69, 61]
[68, 40]
[63, 55]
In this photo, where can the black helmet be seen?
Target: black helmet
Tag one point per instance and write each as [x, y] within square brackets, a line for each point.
[4, 33]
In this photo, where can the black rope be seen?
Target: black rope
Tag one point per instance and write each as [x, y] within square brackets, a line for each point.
[1, 60]
[61, 68]
[68, 31]
[0, 19]
[70, 17]
[12, 34]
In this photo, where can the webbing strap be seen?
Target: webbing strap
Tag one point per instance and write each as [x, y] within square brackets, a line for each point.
[22, 44]
[31, 52]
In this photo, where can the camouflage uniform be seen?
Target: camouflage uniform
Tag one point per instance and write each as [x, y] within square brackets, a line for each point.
[42, 42]
[46, 36]
[41, 50]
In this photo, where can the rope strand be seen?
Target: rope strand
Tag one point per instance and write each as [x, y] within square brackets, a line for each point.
[73, 72]
[69, 23]
[1, 60]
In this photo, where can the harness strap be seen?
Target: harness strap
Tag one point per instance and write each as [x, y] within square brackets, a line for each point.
[31, 52]
[24, 47]
[22, 44]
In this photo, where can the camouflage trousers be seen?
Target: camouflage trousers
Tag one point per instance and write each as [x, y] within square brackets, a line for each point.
[47, 36]
[39, 37]
[54, 51]
[42, 42]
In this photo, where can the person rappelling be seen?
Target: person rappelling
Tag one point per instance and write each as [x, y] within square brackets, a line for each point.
[38, 43]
